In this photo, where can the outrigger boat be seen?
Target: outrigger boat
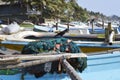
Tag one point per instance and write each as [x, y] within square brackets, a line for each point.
[17, 43]
[13, 61]
[98, 64]
[44, 62]
[86, 42]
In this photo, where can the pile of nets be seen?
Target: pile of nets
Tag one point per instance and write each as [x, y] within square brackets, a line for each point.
[66, 46]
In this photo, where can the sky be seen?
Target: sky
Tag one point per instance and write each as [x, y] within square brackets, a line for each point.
[107, 7]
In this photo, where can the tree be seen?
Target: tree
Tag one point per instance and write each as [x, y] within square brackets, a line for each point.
[63, 9]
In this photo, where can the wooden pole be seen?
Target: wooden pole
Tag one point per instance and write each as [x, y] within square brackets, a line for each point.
[37, 60]
[40, 57]
[9, 61]
[68, 26]
[92, 24]
[57, 26]
[27, 64]
[70, 70]
[103, 24]
[92, 27]
[109, 34]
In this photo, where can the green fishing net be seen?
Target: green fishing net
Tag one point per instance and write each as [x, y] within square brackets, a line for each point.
[49, 45]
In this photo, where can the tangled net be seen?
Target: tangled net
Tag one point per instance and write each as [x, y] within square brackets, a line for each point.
[65, 45]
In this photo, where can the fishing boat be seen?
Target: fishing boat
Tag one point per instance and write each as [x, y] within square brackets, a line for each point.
[80, 27]
[96, 68]
[85, 46]
[98, 65]
[43, 63]
[87, 42]
[59, 27]
[47, 28]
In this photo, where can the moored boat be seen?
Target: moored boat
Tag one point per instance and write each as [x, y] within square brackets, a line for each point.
[47, 62]
[87, 42]
[86, 47]
[99, 65]
[80, 44]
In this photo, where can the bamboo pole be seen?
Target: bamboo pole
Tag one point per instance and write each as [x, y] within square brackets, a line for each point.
[103, 24]
[37, 60]
[56, 26]
[27, 64]
[9, 61]
[92, 27]
[68, 26]
[41, 57]
[70, 70]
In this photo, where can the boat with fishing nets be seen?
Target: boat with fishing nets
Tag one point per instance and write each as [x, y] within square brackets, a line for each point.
[42, 57]
[86, 42]
[98, 64]
[24, 65]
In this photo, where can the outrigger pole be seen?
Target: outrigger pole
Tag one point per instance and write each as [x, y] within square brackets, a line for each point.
[70, 70]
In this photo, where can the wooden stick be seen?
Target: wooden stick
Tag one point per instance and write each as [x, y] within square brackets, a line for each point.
[28, 64]
[70, 70]
[9, 61]
[41, 57]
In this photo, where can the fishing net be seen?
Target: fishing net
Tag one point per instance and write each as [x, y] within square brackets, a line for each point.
[49, 45]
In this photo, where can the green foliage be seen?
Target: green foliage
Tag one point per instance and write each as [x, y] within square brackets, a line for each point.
[66, 10]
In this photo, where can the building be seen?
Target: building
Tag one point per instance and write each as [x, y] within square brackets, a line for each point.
[17, 11]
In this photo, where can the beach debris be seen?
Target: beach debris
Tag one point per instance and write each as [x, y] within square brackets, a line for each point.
[12, 28]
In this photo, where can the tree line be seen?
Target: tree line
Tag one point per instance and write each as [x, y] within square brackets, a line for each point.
[66, 10]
